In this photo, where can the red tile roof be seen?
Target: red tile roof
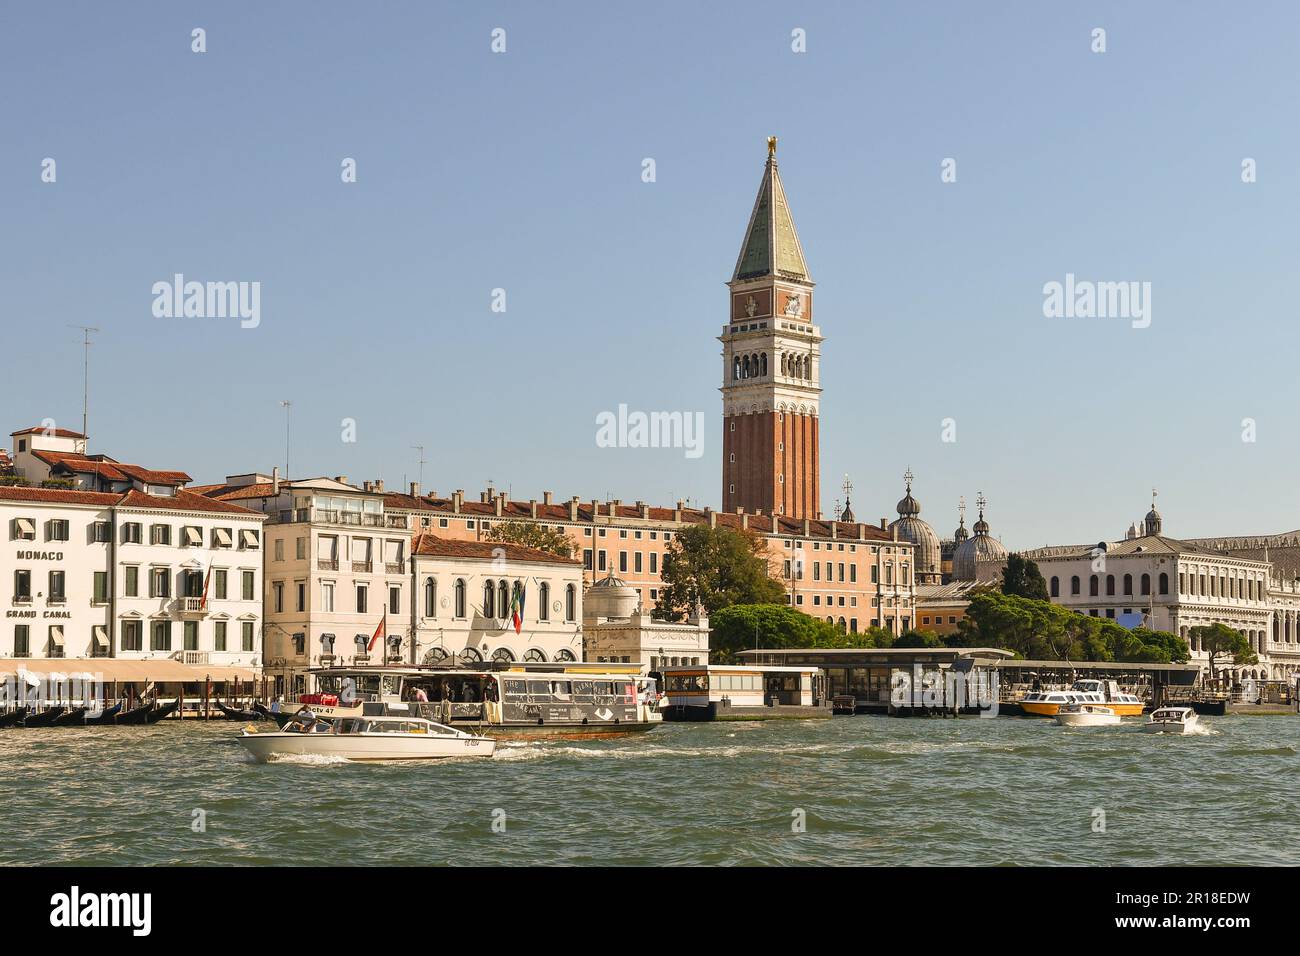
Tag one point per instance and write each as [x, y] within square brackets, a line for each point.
[107, 468]
[431, 545]
[224, 492]
[53, 432]
[182, 501]
[522, 511]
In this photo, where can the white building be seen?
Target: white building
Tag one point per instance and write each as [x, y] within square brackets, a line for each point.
[616, 629]
[1176, 586]
[109, 576]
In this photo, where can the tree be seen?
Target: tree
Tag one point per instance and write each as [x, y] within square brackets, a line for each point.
[530, 534]
[1218, 640]
[919, 639]
[714, 567]
[1022, 578]
[743, 627]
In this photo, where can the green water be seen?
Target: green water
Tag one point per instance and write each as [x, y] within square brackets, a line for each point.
[871, 790]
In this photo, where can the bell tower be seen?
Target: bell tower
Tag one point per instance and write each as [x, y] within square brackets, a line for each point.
[771, 367]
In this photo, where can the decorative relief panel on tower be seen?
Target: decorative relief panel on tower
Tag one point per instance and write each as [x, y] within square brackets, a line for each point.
[751, 305]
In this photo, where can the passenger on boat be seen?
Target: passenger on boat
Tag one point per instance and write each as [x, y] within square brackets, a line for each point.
[419, 696]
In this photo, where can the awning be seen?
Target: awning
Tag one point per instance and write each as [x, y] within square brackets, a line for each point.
[248, 538]
[223, 537]
[56, 635]
[100, 635]
[193, 536]
[116, 669]
[26, 526]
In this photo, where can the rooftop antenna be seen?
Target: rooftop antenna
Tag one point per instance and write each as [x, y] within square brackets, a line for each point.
[86, 330]
[286, 405]
[420, 461]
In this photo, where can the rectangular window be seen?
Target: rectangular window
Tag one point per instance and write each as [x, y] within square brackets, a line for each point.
[191, 536]
[394, 600]
[622, 561]
[160, 581]
[361, 598]
[654, 562]
[160, 534]
[600, 563]
[219, 583]
[248, 539]
[131, 532]
[277, 596]
[302, 549]
[327, 596]
[22, 641]
[586, 559]
[219, 636]
[279, 549]
[246, 591]
[636, 562]
[56, 529]
[22, 585]
[132, 635]
[191, 635]
[222, 538]
[102, 532]
[131, 581]
[302, 596]
[246, 636]
[24, 529]
[99, 588]
[160, 636]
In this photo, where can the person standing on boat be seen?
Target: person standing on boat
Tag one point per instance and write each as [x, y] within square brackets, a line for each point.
[420, 697]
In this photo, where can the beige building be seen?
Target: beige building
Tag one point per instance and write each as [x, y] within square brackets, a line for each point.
[616, 629]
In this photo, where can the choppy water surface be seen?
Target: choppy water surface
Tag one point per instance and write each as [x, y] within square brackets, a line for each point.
[874, 790]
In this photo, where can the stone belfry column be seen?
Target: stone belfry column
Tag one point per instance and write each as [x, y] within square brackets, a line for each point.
[771, 367]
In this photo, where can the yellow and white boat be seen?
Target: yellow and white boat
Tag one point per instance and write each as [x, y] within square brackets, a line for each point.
[1048, 703]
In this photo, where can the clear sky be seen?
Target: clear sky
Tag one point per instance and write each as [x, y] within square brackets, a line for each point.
[522, 171]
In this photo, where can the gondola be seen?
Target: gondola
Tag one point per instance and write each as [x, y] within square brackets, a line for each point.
[43, 718]
[153, 716]
[239, 713]
[71, 718]
[13, 718]
[108, 716]
[136, 715]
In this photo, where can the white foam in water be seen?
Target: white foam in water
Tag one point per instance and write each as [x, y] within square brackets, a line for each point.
[311, 760]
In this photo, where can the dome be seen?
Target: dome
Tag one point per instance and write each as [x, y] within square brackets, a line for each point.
[1152, 522]
[976, 550]
[610, 597]
[928, 553]
[961, 534]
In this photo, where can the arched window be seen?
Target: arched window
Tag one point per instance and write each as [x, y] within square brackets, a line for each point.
[503, 599]
[543, 603]
[570, 603]
[460, 597]
[503, 655]
[470, 655]
[564, 654]
[1128, 584]
[745, 368]
[1074, 584]
[754, 359]
[489, 599]
[1056, 586]
[1092, 586]
[1164, 583]
[430, 598]
[735, 370]
[762, 360]
[435, 655]
[1110, 584]
[534, 655]
[1146, 584]
[843, 625]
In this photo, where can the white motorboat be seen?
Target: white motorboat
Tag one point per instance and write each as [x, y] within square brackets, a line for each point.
[1086, 715]
[1172, 720]
[366, 738]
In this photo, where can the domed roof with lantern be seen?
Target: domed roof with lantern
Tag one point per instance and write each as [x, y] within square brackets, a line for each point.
[978, 549]
[927, 552]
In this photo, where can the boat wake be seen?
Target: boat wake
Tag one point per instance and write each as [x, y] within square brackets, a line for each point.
[310, 760]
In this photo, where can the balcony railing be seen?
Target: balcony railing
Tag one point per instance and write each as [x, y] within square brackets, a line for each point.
[191, 657]
[327, 564]
[363, 566]
[189, 605]
[394, 567]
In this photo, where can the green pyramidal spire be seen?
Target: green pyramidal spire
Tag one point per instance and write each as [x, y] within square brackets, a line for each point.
[771, 246]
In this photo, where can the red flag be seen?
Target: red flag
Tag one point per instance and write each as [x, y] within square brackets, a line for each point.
[378, 631]
[207, 580]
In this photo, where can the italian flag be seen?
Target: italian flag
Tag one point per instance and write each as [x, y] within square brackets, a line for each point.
[517, 609]
[383, 626]
[207, 581]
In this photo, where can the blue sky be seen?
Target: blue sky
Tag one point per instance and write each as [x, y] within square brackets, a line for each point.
[522, 171]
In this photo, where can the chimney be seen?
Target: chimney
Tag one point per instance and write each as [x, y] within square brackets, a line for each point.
[744, 518]
[365, 485]
[807, 528]
[532, 507]
[614, 505]
[379, 484]
[548, 498]
[862, 531]
[884, 523]
[573, 508]
[835, 529]
[645, 510]
[341, 479]
[458, 500]
[499, 503]
[677, 512]
[595, 509]
[275, 481]
[415, 489]
[713, 517]
[895, 533]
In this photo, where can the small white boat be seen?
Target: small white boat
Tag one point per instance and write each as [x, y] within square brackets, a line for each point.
[1172, 720]
[366, 738]
[1086, 715]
